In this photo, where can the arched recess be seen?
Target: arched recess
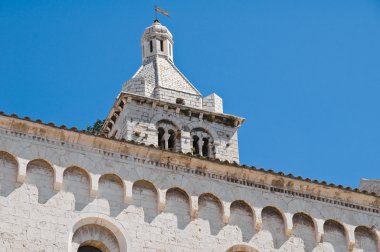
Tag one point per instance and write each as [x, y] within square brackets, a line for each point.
[211, 209]
[99, 231]
[366, 239]
[274, 222]
[111, 190]
[178, 203]
[335, 235]
[77, 181]
[242, 216]
[40, 173]
[241, 248]
[8, 173]
[168, 135]
[145, 195]
[305, 229]
[202, 142]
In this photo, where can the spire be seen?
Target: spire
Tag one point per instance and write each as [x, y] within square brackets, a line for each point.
[157, 41]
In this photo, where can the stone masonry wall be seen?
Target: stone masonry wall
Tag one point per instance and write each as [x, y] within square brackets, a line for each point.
[138, 122]
[55, 195]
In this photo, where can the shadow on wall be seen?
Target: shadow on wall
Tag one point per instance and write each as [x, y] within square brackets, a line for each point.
[77, 181]
[303, 228]
[111, 189]
[8, 174]
[273, 222]
[145, 196]
[178, 203]
[40, 174]
[210, 209]
[243, 217]
[365, 239]
[335, 234]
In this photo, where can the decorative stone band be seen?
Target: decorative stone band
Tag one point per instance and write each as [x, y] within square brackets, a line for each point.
[212, 175]
[125, 98]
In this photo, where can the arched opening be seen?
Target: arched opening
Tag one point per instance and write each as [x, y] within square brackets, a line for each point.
[304, 229]
[242, 216]
[87, 248]
[205, 147]
[202, 142]
[145, 196]
[171, 140]
[167, 135]
[76, 181]
[211, 210]
[111, 193]
[335, 235]
[365, 239]
[273, 222]
[241, 248]
[161, 141]
[195, 145]
[41, 174]
[178, 203]
[8, 173]
[94, 238]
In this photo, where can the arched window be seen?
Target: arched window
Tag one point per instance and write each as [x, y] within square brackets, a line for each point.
[195, 145]
[167, 134]
[151, 46]
[202, 142]
[205, 147]
[171, 140]
[161, 141]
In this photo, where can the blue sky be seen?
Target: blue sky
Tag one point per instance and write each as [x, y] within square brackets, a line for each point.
[305, 74]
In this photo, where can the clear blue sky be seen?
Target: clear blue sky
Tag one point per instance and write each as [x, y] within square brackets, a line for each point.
[305, 74]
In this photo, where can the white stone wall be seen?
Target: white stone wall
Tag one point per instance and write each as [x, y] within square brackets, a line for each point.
[213, 103]
[138, 122]
[55, 195]
[170, 95]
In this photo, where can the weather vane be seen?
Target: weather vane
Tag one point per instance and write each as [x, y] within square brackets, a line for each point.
[159, 10]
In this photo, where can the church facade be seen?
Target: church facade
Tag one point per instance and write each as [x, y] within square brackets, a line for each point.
[163, 176]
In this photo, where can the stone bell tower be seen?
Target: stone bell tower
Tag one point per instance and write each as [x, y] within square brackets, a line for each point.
[159, 106]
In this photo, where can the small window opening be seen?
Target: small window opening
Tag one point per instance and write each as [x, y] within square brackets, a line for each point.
[170, 49]
[195, 145]
[151, 46]
[180, 101]
[205, 147]
[88, 249]
[162, 45]
[171, 140]
[161, 140]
